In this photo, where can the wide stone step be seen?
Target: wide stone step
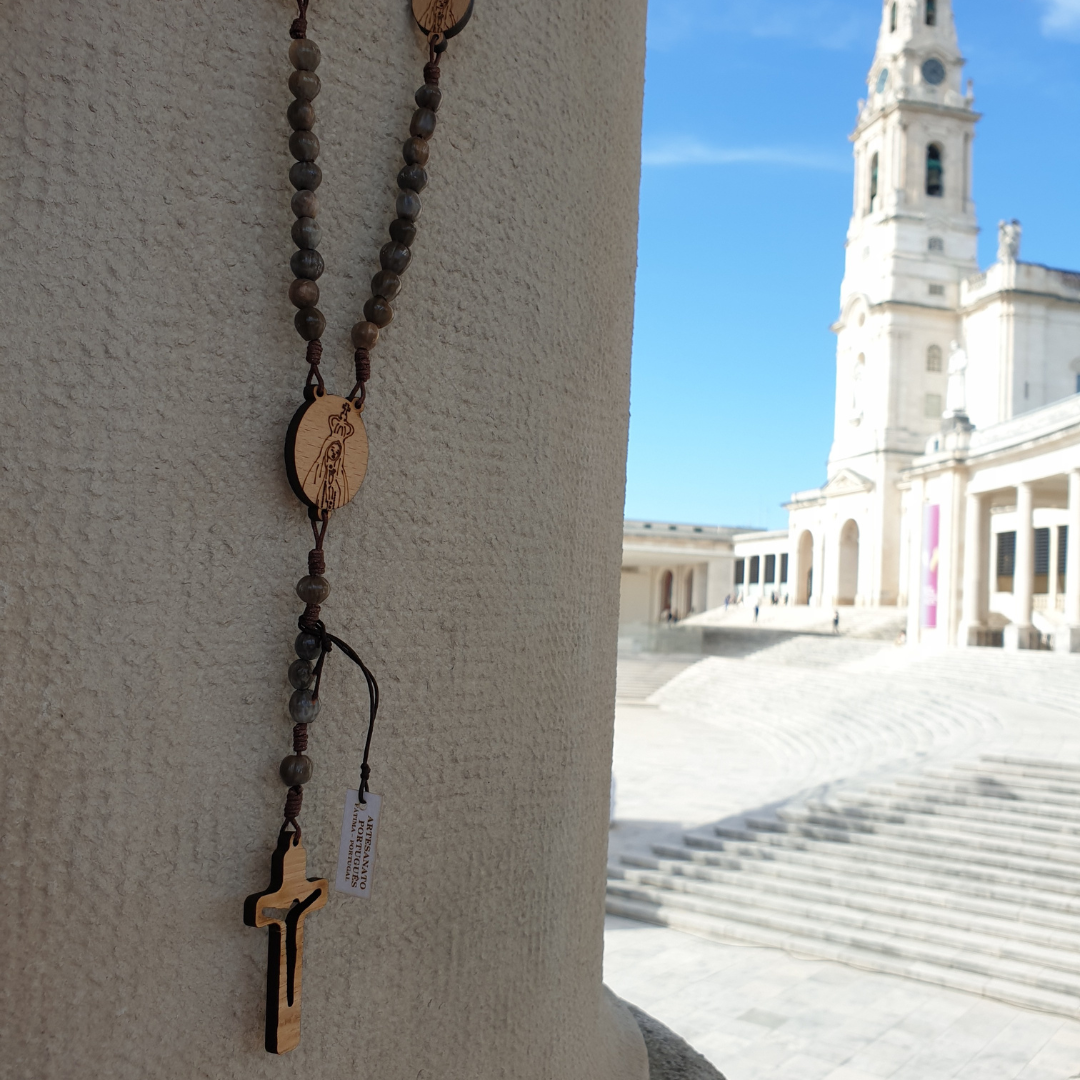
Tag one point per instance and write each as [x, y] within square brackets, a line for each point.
[1028, 901]
[958, 951]
[782, 846]
[872, 959]
[1013, 776]
[947, 784]
[1069, 767]
[951, 911]
[984, 835]
[968, 850]
[968, 807]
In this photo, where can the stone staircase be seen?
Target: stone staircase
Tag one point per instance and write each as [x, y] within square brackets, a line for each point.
[638, 677]
[967, 877]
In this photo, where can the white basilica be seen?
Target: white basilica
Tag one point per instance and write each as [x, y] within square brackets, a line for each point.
[953, 484]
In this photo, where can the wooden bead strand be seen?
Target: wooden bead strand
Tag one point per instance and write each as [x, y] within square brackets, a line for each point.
[326, 460]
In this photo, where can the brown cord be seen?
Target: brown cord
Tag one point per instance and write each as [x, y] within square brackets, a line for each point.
[299, 26]
[310, 619]
[314, 355]
[299, 739]
[316, 562]
[293, 802]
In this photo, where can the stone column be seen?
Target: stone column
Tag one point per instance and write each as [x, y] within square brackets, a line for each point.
[976, 585]
[151, 543]
[821, 543]
[1020, 634]
[1067, 638]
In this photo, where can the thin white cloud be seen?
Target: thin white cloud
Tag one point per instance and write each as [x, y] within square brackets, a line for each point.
[823, 24]
[1062, 19]
[675, 152]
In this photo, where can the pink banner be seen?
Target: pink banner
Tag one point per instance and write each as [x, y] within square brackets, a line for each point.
[931, 532]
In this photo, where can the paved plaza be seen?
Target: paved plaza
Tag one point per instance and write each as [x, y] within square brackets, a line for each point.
[776, 721]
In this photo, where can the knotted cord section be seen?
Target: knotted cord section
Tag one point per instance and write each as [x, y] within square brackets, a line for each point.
[299, 26]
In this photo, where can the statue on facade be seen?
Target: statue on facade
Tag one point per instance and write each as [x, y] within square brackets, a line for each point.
[956, 393]
[1009, 234]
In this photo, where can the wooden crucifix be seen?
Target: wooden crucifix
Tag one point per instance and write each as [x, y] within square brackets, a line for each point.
[291, 897]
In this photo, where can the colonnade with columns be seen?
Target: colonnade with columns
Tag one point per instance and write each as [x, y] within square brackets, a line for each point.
[955, 561]
[1020, 632]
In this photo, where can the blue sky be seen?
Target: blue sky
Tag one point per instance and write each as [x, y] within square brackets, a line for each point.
[745, 198]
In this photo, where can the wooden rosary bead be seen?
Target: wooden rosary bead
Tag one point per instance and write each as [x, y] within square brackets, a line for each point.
[408, 205]
[313, 589]
[302, 707]
[365, 335]
[429, 96]
[304, 293]
[412, 178]
[307, 264]
[307, 645]
[404, 232]
[305, 204]
[295, 770]
[305, 175]
[305, 85]
[416, 152]
[304, 145]
[301, 115]
[306, 233]
[310, 323]
[386, 284]
[378, 311]
[300, 674]
[304, 54]
[423, 124]
[395, 256]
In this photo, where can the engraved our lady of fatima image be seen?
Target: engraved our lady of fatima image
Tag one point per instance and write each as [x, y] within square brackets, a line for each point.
[439, 16]
[327, 475]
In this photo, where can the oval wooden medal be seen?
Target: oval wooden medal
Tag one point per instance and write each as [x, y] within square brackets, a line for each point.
[326, 451]
[446, 17]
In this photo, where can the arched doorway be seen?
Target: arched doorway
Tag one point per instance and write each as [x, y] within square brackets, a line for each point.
[666, 585]
[804, 570]
[848, 578]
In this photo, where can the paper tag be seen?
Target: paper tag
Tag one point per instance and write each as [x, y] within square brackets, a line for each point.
[356, 856]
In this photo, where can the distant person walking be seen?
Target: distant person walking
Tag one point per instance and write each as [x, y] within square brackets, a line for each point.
[757, 608]
[836, 622]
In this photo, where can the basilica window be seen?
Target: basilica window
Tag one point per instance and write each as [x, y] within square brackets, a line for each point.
[931, 12]
[892, 19]
[784, 562]
[1006, 561]
[1042, 561]
[937, 243]
[755, 569]
[874, 162]
[1063, 555]
[935, 171]
[740, 571]
[933, 358]
[770, 569]
[932, 407]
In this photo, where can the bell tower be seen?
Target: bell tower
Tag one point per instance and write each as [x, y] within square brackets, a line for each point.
[910, 244]
[911, 241]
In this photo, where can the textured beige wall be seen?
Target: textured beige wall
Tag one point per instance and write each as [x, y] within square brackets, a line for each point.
[150, 543]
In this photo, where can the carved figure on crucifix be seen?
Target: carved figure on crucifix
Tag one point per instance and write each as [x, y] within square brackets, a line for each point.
[291, 897]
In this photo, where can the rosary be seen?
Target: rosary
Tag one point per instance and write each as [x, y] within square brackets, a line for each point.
[326, 456]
